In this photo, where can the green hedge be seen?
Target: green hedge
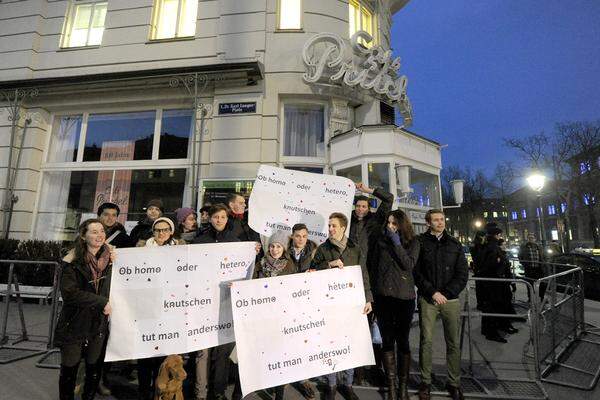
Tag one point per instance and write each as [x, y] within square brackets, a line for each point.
[37, 250]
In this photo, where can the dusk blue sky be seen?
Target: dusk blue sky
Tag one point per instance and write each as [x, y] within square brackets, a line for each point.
[479, 71]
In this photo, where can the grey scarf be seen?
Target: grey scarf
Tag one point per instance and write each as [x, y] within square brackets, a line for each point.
[340, 244]
[272, 267]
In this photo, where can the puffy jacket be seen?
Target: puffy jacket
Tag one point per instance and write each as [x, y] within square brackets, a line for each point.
[442, 267]
[82, 316]
[142, 231]
[210, 235]
[392, 274]
[351, 255]
[306, 257]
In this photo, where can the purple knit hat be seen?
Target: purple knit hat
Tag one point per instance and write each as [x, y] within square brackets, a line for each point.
[183, 213]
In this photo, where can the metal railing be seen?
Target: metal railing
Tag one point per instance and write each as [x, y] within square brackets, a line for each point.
[25, 344]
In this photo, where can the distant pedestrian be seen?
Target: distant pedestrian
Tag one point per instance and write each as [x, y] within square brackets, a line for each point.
[531, 257]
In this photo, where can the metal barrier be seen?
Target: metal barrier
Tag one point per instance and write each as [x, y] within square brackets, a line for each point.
[503, 387]
[24, 345]
[567, 355]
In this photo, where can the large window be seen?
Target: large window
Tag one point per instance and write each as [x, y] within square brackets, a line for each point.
[379, 175]
[217, 191]
[360, 18]
[353, 173]
[174, 19]
[136, 156]
[304, 130]
[289, 15]
[84, 24]
[426, 190]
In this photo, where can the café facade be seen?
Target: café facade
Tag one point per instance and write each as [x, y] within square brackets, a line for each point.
[182, 100]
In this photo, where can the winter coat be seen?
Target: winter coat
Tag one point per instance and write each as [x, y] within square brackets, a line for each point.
[364, 232]
[289, 269]
[210, 235]
[392, 274]
[142, 231]
[351, 255]
[122, 239]
[82, 316]
[494, 263]
[304, 262]
[242, 230]
[442, 267]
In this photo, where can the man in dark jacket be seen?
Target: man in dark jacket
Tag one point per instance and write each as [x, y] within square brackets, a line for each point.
[531, 256]
[116, 234]
[143, 229]
[364, 223]
[238, 219]
[300, 248]
[216, 358]
[441, 275]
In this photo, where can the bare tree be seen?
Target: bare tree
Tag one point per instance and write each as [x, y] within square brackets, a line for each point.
[503, 184]
[533, 149]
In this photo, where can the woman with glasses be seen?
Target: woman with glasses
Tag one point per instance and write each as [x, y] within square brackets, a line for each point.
[163, 230]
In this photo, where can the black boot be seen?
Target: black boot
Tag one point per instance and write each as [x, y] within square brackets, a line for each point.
[404, 373]
[389, 365]
[279, 392]
[66, 382]
[92, 378]
[330, 392]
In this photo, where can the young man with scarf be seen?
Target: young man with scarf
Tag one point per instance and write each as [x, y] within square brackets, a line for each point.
[336, 252]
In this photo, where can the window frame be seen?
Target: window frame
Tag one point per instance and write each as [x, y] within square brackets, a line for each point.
[69, 22]
[156, 18]
[303, 161]
[363, 5]
[278, 27]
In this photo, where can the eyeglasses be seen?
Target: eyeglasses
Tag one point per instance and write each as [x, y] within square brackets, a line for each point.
[164, 230]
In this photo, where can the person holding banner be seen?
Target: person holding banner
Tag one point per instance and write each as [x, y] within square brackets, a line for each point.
[213, 364]
[336, 252]
[143, 229]
[83, 323]
[397, 252]
[163, 230]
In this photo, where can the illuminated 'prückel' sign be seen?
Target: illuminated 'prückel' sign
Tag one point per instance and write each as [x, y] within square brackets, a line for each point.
[329, 58]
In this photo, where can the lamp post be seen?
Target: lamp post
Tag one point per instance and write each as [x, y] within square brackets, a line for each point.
[536, 182]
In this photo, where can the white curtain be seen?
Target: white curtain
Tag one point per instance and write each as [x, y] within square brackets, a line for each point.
[304, 130]
[65, 138]
[53, 210]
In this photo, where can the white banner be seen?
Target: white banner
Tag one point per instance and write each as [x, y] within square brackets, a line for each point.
[300, 326]
[282, 197]
[174, 299]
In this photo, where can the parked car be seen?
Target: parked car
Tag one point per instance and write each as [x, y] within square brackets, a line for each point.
[590, 264]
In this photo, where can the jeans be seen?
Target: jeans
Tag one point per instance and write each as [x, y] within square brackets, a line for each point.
[347, 378]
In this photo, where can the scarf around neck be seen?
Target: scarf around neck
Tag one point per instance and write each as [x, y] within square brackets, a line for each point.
[97, 264]
[340, 244]
[272, 267]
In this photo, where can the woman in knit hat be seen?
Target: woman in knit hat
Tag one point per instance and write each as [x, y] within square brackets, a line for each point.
[143, 230]
[276, 262]
[187, 226]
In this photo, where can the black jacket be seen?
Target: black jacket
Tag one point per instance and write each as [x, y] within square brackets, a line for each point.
[306, 257]
[242, 230]
[392, 274]
[494, 263]
[210, 235]
[82, 315]
[142, 231]
[442, 267]
[351, 255]
[122, 239]
[362, 232]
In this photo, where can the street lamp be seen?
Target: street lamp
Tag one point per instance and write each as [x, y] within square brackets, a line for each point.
[478, 224]
[536, 182]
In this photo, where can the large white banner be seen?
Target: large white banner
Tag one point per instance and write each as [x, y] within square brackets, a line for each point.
[282, 197]
[174, 299]
[300, 326]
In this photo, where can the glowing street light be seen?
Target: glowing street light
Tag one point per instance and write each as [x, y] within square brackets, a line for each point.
[478, 224]
[536, 182]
